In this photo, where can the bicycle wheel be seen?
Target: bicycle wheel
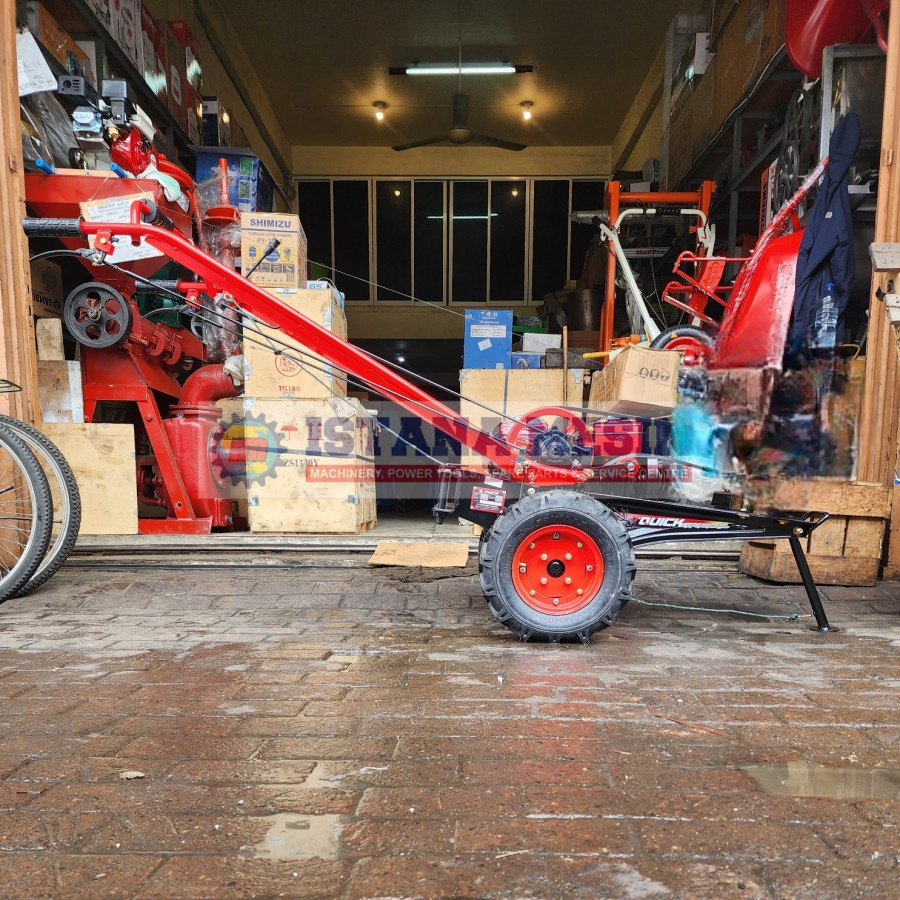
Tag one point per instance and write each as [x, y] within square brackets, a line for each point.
[26, 514]
[65, 496]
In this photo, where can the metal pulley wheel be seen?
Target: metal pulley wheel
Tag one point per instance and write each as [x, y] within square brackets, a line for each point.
[97, 315]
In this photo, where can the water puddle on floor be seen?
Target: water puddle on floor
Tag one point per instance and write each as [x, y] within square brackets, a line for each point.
[801, 779]
[298, 837]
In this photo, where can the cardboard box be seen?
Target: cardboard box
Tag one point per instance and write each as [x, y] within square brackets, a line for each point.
[153, 55]
[175, 80]
[277, 377]
[638, 382]
[537, 343]
[488, 338]
[324, 480]
[47, 294]
[101, 9]
[56, 40]
[283, 267]
[125, 28]
[216, 123]
[193, 70]
[250, 186]
[747, 43]
[194, 114]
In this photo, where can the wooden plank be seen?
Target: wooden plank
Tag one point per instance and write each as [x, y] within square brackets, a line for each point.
[428, 555]
[49, 336]
[864, 537]
[758, 558]
[102, 458]
[828, 538]
[60, 390]
[18, 360]
[849, 498]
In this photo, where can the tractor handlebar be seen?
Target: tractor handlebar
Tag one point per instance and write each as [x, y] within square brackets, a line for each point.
[57, 228]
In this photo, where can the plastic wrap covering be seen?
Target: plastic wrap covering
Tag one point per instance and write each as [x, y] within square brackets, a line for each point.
[210, 193]
[222, 242]
[46, 132]
[220, 332]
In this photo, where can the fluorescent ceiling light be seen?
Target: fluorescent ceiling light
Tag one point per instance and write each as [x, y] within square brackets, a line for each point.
[502, 68]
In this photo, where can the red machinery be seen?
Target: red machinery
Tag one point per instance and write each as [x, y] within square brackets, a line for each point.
[556, 558]
[130, 359]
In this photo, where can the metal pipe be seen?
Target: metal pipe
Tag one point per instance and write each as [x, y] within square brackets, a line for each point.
[207, 385]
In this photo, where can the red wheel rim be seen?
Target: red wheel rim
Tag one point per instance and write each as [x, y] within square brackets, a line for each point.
[695, 352]
[557, 570]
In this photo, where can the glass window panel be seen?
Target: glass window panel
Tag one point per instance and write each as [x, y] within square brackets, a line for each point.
[428, 241]
[550, 237]
[351, 238]
[470, 230]
[509, 202]
[585, 195]
[314, 198]
[393, 233]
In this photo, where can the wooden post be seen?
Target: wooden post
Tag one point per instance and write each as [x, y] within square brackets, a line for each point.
[878, 450]
[18, 360]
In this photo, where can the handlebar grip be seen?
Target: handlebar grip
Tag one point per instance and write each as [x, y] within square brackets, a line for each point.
[157, 217]
[58, 228]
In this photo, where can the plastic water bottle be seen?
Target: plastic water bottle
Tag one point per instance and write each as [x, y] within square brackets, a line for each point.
[825, 324]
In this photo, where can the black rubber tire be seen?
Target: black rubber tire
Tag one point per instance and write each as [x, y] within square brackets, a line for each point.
[23, 474]
[557, 507]
[66, 501]
[661, 341]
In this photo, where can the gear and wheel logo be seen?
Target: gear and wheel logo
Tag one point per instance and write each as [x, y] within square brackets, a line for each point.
[246, 449]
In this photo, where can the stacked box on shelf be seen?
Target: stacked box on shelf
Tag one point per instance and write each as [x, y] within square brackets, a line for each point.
[193, 80]
[216, 123]
[125, 28]
[57, 41]
[175, 77]
[153, 55]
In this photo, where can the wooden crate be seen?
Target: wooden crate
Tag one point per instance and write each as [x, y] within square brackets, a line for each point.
[102, 458]
[845, 549]
[489, 394]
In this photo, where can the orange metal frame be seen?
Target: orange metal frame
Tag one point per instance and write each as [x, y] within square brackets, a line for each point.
[616, 200]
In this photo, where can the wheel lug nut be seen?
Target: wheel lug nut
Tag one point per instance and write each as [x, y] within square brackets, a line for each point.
[568, 556]
[543, 581]
[532, 592]
[568, 580]
[555, 535]
[580, 544]
[579, 592]
[523, 569]
[589, 568]
[531, 546]
[544, 556]
[556, 601]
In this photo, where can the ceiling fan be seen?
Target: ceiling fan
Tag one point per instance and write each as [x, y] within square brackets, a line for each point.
[460, 133]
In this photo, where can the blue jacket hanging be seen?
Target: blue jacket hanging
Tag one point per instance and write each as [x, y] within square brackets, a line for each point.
[826, 250]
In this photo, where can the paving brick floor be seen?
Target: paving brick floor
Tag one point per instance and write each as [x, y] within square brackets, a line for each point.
[328, 730]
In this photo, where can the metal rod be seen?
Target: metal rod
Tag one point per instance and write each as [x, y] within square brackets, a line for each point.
[815, 601]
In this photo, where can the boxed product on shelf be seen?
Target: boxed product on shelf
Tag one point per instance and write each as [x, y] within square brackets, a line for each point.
[193, 71]
[283, 267]
[488, 338]
[194, 112]
[56, 40]
[153, 55]
[47, 294]
[125, 28]
[251, 188]
[174, 66]
[522, 360]
[101, 9]
[216, 123]
[302, 374]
